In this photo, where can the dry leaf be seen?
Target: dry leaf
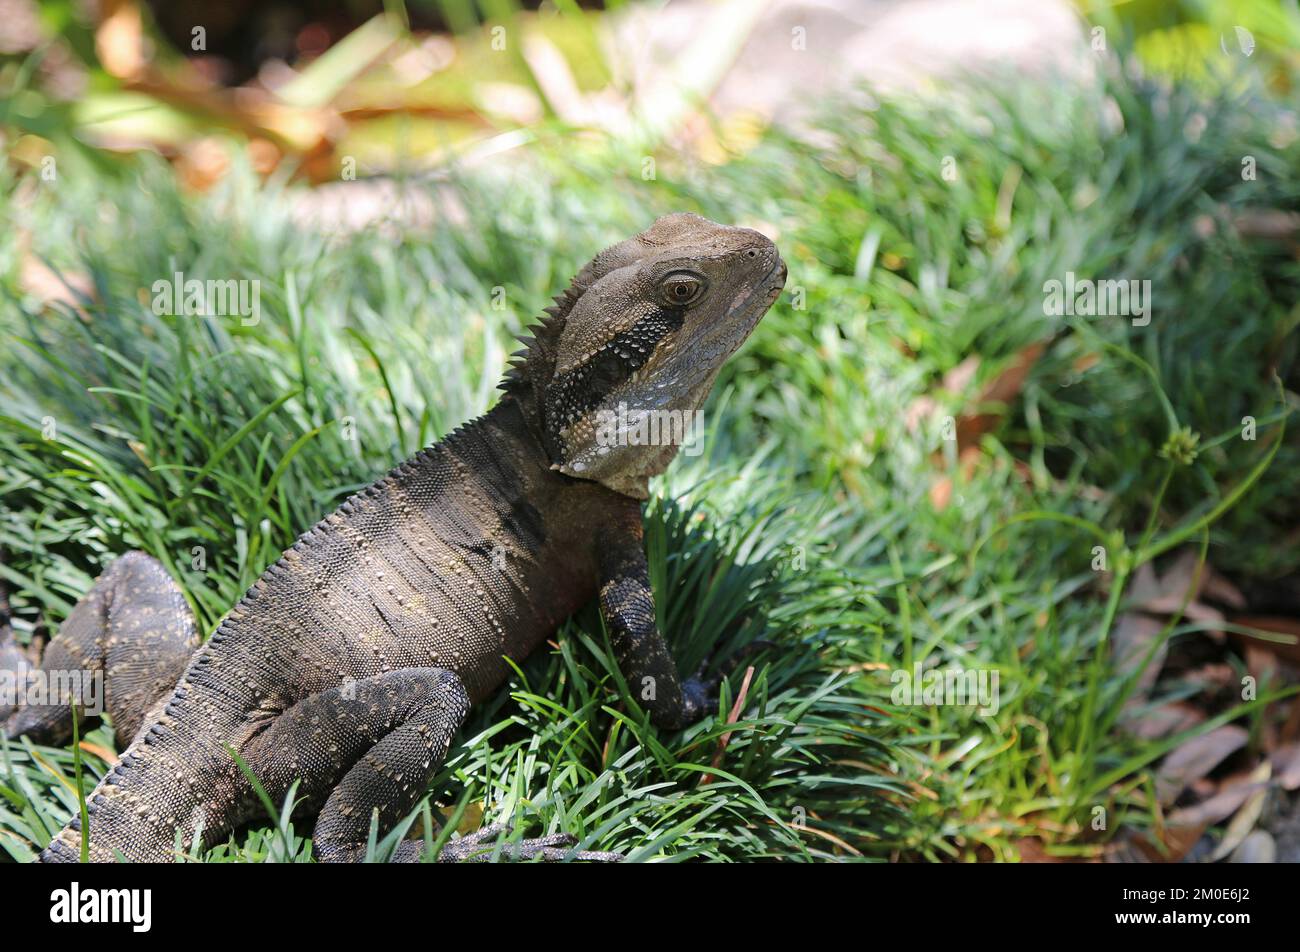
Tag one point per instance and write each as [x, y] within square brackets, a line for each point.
[119, 39]
[1259, 847]
[1262, 664]
[1181, 582]
[1286, 765]
[918, 411]
[1219, 588]
[1196, 758]
[1133, 637]
[1144, 586]
[959, 378]
[941, 493]
[1271, 223]
[1246, 818]
[1214, 676]
[1001, 390]
[1177, 842]
[1165, 719]
[47, 286]
[103, 753]
[1221, 805]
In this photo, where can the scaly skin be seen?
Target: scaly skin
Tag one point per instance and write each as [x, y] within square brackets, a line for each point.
[350, 664]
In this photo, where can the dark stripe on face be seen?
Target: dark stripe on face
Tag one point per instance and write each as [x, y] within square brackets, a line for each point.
[585, 387]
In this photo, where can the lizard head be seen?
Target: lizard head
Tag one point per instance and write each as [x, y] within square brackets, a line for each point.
[615, 374]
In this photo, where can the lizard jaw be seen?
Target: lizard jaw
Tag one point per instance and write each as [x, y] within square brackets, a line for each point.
[681, 393]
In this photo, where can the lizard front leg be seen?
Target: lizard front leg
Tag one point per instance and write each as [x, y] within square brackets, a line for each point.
[133, 629]
[627, 604]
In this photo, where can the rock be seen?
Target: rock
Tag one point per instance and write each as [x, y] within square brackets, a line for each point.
[1258, 847]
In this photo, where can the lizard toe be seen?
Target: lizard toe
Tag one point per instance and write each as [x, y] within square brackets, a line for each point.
[481, 846]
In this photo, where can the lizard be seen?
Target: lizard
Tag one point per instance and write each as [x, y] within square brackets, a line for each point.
[350, 664]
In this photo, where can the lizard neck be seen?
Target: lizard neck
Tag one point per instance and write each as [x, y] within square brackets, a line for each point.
[520, 410]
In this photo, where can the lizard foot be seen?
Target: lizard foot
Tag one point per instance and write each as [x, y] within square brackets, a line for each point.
[700, 691]
[699, 698]
[480, 846]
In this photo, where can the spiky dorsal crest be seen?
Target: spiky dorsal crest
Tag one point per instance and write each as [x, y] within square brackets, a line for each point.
[534, 362]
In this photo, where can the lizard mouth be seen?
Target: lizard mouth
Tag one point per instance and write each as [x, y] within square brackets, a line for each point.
[768, 290]
[710, 346]
[744, 315]
[775, 280]
[678, 378]
[694, 361]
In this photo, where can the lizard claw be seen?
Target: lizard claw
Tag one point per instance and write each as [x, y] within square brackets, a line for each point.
[480, 847]
[699, 698]
[700, 691]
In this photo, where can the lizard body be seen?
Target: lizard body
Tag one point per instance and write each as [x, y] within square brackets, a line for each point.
[350, 664]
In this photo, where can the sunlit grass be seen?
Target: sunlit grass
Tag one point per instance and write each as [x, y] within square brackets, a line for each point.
[810, 521]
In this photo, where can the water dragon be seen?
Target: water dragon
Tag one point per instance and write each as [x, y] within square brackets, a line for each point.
[351, 663]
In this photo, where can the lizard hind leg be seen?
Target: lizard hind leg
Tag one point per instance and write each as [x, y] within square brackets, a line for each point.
[134, 632]
[373, 745]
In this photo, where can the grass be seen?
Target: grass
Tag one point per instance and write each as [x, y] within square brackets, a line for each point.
[811, 519]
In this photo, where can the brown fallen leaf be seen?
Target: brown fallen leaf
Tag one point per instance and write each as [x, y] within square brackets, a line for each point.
[955, 381]
[732, 717]
[919, 410]
[103, 753]
[1262, 665]
[1002, 389]
[1165, 719]
[119, 39]
[1219, 588]
[1268, 223]
[203, 163]
[1290, 729]
[1213, 676]
[1086, 362]
[1244, 820]
[1196, 758]
[941, 492]
[1232, 793]
[960, 377]
[1170, 845]
[51, 287]
[1286, 765]
[1178, 587]
[1134, 636]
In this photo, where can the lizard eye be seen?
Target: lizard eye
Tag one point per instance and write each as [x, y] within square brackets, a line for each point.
[681, 289]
